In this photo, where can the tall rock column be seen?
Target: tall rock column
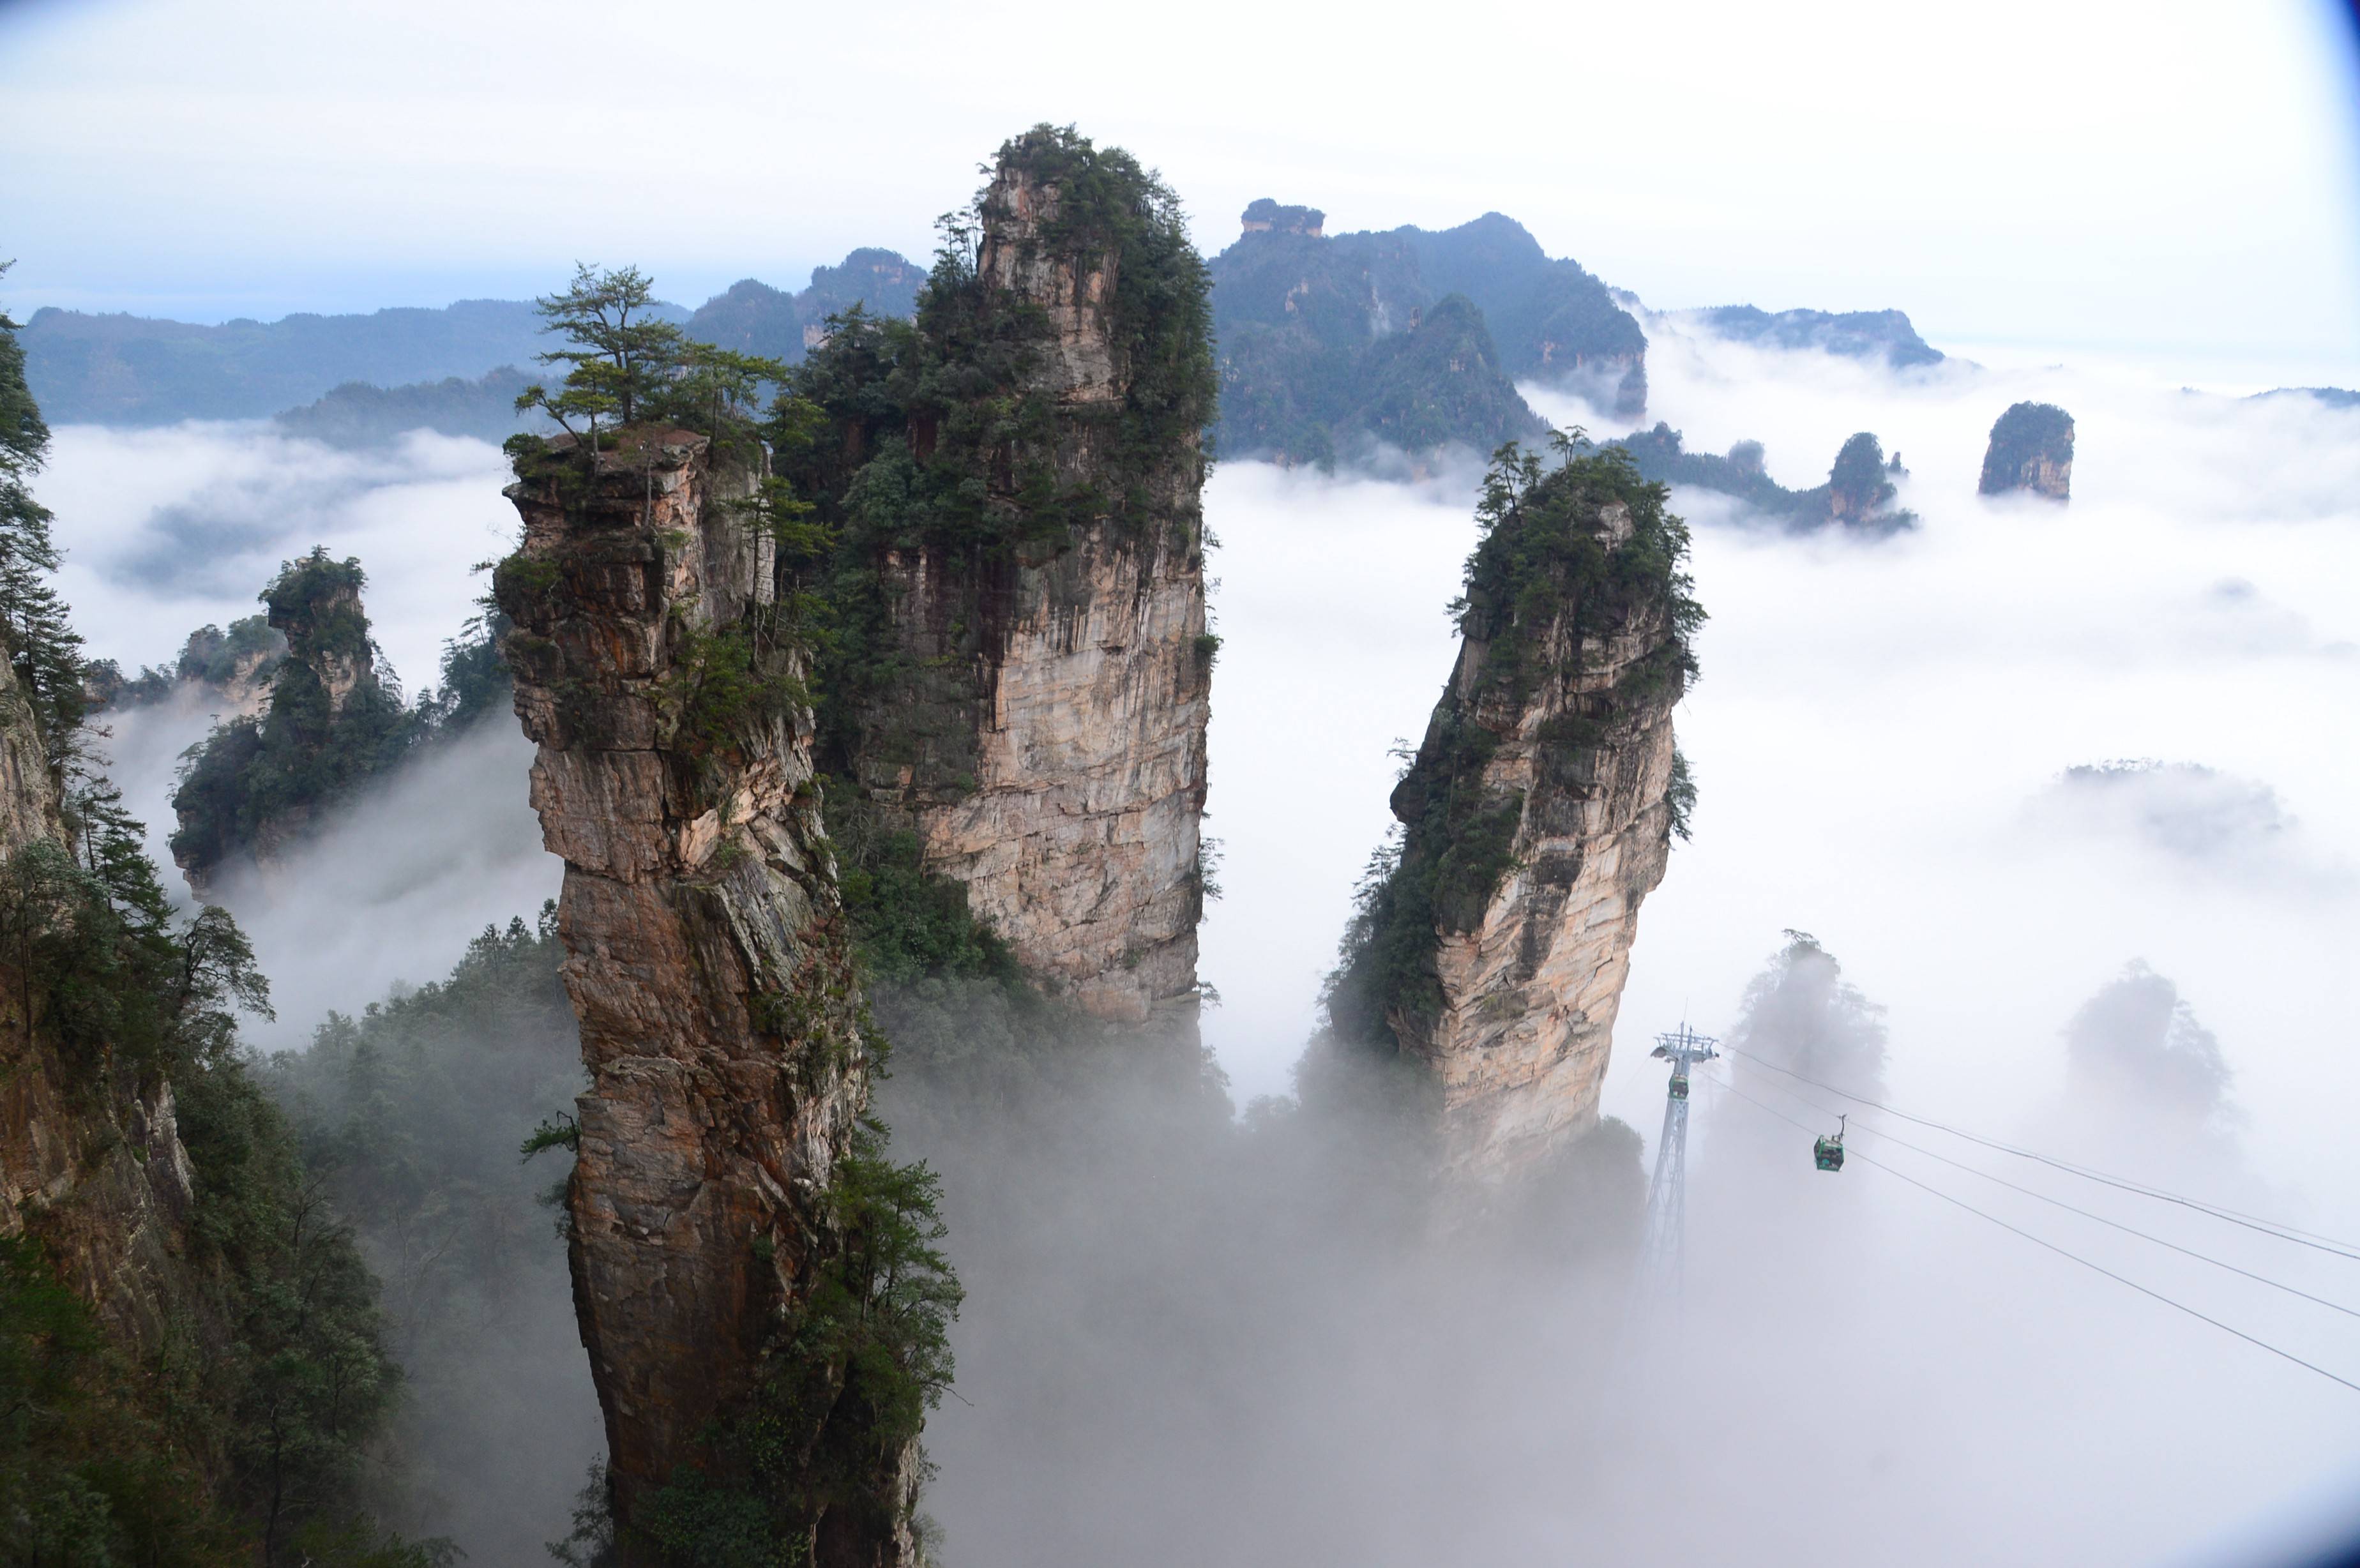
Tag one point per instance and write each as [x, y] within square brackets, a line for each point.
[1045, 737]
[1537, 815]
[705, 954]
[2031, 449]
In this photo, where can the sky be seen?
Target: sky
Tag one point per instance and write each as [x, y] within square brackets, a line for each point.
[2161, 174]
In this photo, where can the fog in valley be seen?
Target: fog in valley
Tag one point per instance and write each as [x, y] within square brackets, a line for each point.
[2063, 797]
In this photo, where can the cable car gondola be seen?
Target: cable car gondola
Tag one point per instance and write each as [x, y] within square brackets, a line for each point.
[1679, 1085]
[1828, 1152]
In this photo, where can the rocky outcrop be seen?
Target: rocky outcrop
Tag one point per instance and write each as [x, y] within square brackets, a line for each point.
[1263, 215]
[1536, 816]
[2031, 449]
[1861, 489]
[96, 1168]
[1078, 838]
[227, 673]
[329, 726]
[707, 957]
[1043, 730]
[1858, 497]
[315, 604]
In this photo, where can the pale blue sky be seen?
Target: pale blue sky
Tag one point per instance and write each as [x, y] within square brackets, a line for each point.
[2166, 177]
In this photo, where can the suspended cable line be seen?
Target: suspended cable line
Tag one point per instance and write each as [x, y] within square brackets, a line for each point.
[2283, 1232]
[2085, 1214]
[2052, 1246]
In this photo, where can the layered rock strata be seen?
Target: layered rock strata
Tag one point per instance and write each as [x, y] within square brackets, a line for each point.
[707, 957]
[1537, 816]
[2031, 449]
[1045, 736]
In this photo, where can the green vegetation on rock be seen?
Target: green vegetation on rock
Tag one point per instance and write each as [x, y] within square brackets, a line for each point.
[222, 1412]
[250, 650]
[2031, 449]
[851, 1370]
[1545, 575]
[939, 434]
[1858, 496]
[333, 724]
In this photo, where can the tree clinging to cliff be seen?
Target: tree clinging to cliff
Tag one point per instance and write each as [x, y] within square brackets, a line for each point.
[625, 363]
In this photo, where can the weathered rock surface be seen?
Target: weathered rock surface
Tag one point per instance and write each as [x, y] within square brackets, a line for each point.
[2031, 449]
[1538, 814]
[98, 1170]
[707, 957]
[1049, 746]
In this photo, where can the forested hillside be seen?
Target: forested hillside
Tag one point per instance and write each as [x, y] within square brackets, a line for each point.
[1413, 338]
[346, 379]
[193, 1358]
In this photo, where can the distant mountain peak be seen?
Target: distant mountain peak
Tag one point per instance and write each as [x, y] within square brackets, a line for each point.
[1265, 215]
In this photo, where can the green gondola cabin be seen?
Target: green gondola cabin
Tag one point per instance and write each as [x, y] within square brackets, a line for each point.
[1679, 1085]
[1828, 1152]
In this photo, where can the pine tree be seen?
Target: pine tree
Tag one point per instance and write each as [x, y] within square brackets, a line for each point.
[42, 647]
[618, 354]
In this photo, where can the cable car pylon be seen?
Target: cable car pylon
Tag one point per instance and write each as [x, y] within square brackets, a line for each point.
[1660, 1267]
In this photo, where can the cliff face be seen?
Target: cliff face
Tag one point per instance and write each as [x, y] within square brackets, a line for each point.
[98, 1172]
[1085, 732]
[706, 953]
[1043, 730]
[1536, 816]
[2031, 449]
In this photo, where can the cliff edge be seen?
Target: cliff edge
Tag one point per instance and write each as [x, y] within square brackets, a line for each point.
[1491, 947]
[709, 967]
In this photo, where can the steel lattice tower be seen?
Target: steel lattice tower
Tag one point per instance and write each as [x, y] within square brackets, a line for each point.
[1660, 1271]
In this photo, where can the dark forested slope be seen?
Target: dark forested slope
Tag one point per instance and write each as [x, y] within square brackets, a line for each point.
[442, 369]
[1413, 337]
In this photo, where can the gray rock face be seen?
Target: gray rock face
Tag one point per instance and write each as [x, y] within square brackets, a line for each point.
[1056, 765]
[1536, 816]
[1530, 987]
[707, 957]
[2031, 449]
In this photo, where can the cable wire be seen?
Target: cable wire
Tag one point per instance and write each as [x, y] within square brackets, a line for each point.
[2052, 1246]
[2283, 1232]
[2085, 1214]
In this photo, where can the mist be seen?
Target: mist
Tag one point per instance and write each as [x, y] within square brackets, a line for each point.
[168, 529]
[1989, 764]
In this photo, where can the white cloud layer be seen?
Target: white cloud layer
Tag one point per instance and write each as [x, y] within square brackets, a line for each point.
[1878, 735]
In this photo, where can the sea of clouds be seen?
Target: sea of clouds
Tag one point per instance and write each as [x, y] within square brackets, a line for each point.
[1988, 764]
